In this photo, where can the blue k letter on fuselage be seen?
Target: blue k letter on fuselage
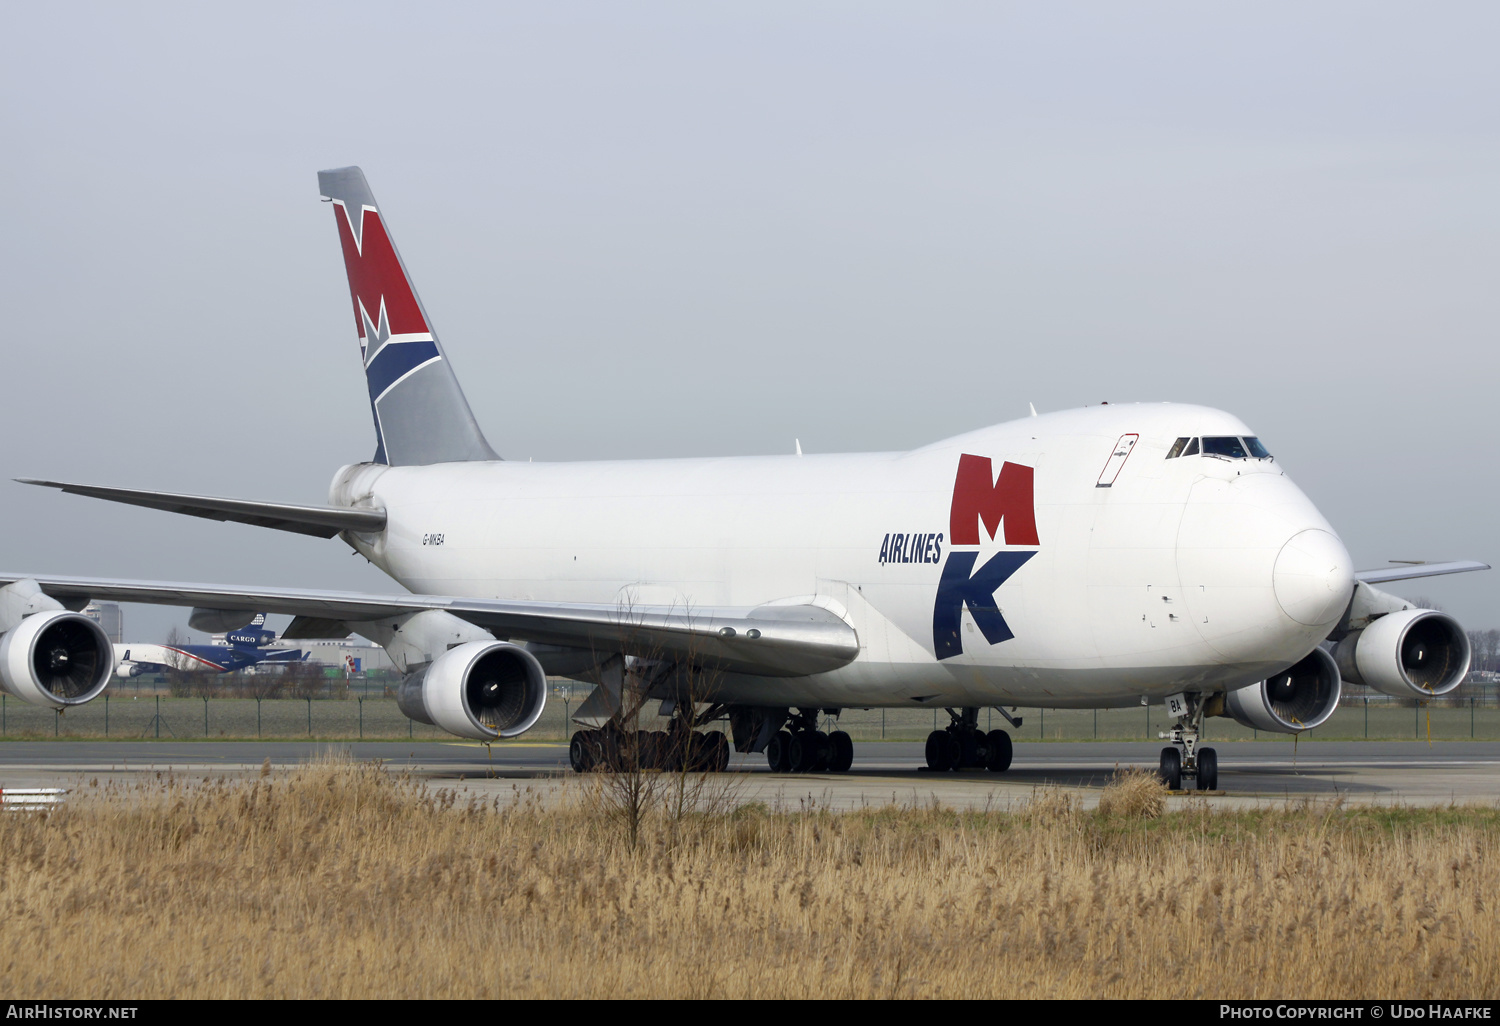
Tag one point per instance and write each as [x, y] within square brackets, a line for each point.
[981, 500]
[957, 588]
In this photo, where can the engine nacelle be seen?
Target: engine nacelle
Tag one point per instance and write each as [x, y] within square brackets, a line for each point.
[56, 658]
[1411, 653]
[1298, 698]
[481, 690]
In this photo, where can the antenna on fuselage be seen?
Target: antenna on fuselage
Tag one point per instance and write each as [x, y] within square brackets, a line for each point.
[1033, 408]
[798, 443]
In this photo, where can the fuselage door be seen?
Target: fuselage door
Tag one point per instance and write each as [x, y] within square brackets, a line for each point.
[1116, 461]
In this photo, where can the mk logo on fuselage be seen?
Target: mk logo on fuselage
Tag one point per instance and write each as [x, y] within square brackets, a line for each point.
[979, 498]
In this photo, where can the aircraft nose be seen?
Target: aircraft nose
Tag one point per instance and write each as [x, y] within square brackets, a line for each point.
[1313, 577]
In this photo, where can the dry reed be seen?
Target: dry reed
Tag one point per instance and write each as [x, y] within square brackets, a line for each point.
[1134, 794]
[342, 880]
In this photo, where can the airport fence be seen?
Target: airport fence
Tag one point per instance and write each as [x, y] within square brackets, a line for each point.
[346, 714]
[1372, 719]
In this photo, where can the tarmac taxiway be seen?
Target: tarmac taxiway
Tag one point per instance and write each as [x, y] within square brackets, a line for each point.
[1357, 772]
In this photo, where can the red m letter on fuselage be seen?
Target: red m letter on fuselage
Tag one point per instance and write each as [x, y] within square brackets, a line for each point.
[978, 496]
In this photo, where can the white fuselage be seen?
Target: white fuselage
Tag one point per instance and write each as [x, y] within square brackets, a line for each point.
[1183, 574]
[129, 658]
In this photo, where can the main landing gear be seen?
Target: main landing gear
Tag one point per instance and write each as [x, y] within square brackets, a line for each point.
[963, 745]
[1202, 764]
[613, 749]
[803, 748]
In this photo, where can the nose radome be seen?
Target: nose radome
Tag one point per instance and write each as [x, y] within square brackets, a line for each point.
[1313, 578]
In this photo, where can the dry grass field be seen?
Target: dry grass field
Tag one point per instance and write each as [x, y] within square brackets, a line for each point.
[344, 880]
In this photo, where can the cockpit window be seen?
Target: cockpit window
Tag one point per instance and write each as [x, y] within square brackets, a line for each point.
[1224, 445]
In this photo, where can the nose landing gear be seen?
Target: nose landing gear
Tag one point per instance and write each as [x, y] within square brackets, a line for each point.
[1202, 764]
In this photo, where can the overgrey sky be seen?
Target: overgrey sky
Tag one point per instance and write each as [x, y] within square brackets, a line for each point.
[661, 229]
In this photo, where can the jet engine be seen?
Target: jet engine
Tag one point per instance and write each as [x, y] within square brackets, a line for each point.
[481, 689]
[1411, 653]
[55, 658]
[1298, 698]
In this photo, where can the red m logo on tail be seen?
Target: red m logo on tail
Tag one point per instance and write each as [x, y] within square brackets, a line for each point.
[375, 274]
[977, 496]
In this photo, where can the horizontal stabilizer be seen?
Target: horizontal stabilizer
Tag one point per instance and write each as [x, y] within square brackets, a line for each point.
[319, 521]
[1411, 571]
[771, 641]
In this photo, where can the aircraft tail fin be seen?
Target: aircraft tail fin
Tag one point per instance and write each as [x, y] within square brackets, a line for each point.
[421, 415]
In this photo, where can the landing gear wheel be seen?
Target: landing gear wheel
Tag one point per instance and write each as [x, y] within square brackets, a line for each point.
[779, 752]
[606, 746]
[840, 752]
[715, 751]
[955, 751]
[699, 758]
[645, 751]
[1170, 770]
[805, 750]
[578, 752]
[937, 751]
[969, 753]
[672, 752]
[824, 750]
[1208, 769]
[997, 759]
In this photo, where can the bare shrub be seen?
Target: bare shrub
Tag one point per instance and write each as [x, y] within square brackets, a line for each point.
[627, 791]
[1133, 794]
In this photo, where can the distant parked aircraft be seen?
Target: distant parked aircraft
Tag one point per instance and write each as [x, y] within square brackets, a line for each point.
[244, 647]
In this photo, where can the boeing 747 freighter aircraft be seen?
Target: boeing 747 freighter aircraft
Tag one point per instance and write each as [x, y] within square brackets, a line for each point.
[1098, 557]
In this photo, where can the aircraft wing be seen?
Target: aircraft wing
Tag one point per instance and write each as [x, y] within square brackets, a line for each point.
[772, 641]
[319, 521]
[1410, 571]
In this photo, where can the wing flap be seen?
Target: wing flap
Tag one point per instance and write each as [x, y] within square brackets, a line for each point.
[303, 628]
[779, 641]
[318, 521]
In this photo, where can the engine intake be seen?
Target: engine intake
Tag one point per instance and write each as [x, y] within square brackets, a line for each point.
[1412, 653]
[55, 658]
[1298, 698]
[481, 690]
